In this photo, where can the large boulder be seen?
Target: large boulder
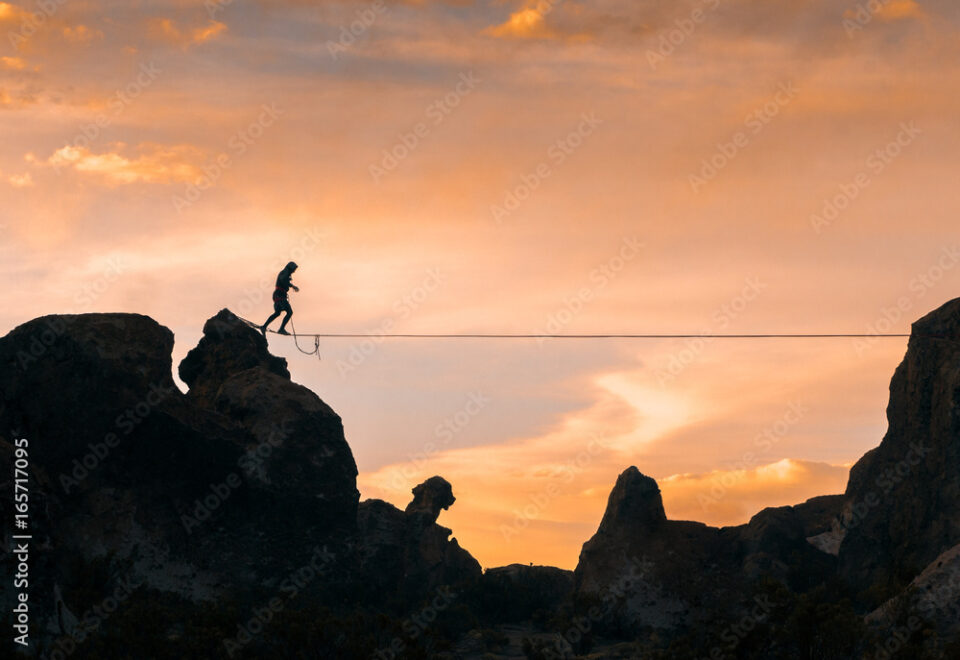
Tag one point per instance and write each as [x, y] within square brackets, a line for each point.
[903, 497]
[228, 346]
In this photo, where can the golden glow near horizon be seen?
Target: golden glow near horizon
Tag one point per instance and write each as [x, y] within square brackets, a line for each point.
[523, 166]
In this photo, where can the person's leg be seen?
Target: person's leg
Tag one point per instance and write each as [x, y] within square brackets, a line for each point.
[270, 320]
[286, 319]
[277, 311]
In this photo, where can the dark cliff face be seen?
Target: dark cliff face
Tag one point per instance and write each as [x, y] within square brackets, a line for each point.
[191, 495]
[298, 457]
[903, 497]
[213, 498]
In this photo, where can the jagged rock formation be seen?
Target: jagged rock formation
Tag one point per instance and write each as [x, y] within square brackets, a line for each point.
[667, 574]
[227, 489]
[216, 496]
[299, 456]
[405, 555]
[228, 347]
[903, 498]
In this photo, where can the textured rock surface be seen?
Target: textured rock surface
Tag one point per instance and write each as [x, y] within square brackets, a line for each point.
[671, 573]
[179, 497]
[228, 346]
[405, 555]
[903, 497]
[933, 596]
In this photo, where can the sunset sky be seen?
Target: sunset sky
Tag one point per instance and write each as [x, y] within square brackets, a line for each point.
[590, 166]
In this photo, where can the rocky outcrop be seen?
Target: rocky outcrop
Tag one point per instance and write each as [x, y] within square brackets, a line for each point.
[649, 570]
[903, 497]
[518, 593]
[659, 573]
[933, 598]
[298, 460]
[191, 495]
[228, 347]
[430, 498]
[406, 555]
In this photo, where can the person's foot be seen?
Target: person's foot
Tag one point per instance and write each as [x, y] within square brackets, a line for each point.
[281, 331]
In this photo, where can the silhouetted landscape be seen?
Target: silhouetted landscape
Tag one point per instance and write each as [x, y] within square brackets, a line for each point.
[226, 523]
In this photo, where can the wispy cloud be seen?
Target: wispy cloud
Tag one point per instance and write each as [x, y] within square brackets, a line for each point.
[154, 164]
[166, 29]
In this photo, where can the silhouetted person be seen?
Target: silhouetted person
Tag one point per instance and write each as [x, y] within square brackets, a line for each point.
[280, 301]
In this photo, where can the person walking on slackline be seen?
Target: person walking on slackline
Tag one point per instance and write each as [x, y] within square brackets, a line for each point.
[281, 303]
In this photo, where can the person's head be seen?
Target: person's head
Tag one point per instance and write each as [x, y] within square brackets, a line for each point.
[292, 266]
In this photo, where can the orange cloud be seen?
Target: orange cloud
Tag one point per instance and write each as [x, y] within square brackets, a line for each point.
[10, 12]
[81, 34]
[159, 165]
[12, 63]
[528, 23]
[900, 9]
[20, 180]
[166, 30]
[731, 497]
